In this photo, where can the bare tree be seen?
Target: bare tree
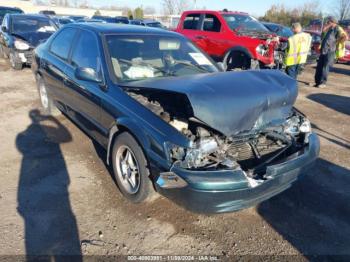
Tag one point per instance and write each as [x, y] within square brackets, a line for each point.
[342, 9]
[169, 6]
[172, 7]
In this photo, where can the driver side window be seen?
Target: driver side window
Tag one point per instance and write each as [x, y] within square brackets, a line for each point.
[85, 53]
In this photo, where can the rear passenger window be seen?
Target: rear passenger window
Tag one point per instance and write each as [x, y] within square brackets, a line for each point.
[211, 23]
[60, 46]
[85, 53]
[191, 22]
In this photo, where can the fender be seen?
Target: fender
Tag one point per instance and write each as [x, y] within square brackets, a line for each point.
[123, 123]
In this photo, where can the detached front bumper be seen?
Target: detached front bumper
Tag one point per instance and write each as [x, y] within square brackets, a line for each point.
[227, 191]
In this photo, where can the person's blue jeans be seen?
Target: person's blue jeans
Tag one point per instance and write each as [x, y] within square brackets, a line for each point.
[293, 71]
[324, 63]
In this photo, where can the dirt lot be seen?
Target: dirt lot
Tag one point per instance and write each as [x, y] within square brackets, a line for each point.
[58, 197]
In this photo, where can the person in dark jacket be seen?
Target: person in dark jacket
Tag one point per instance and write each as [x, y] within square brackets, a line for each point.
[332, 35]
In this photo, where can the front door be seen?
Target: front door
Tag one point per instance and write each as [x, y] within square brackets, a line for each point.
[85, 95]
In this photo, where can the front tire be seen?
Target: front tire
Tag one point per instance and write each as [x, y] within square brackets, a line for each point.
[239, 61]
[15, 63]
[131, 169]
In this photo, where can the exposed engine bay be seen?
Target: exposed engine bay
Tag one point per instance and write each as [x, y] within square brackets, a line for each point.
[251, 151]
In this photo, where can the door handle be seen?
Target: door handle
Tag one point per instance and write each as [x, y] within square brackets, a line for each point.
[200, 37]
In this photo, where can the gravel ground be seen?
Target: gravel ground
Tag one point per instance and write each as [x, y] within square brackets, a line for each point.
[57, 196]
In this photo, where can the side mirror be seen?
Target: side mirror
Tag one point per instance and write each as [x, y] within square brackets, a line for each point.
[221, 66]
[4, 28]
[87, 74]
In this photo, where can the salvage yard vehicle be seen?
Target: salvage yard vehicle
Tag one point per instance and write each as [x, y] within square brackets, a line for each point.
[171, 120]
[9, 10]
[237, 39]
[20, 34]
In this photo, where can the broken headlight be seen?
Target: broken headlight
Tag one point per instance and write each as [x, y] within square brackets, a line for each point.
[21, 45]
[262, 49]
[196, 155]
[297, 124]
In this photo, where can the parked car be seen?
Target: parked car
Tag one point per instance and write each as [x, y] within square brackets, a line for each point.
[8, 10]
[315, 46]
[90, 21]
[282, 31]
[109, 19]
[144, 22]
[236, 38]
[315, 25]
[20, 34]
[61, 21]
[77, 17]
[169, 119]
[47, 12]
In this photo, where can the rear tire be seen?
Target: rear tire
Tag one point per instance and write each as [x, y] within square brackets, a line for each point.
[46, 102]
[130, 169]
[15, 64]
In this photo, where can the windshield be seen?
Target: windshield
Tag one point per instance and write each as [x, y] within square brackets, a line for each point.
[28, 24]
[149, 56]
[238, 22]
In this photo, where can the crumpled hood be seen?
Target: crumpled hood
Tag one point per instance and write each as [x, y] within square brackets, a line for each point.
[33, 38]
[233, 102]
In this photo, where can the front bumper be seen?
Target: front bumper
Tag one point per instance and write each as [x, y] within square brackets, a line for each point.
[26, 57]
[227, 191]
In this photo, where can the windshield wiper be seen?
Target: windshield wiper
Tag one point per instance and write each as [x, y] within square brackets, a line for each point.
[203, 69]
[145, 64]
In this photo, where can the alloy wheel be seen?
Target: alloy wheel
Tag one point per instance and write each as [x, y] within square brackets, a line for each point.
[43, 96]
[128, 169]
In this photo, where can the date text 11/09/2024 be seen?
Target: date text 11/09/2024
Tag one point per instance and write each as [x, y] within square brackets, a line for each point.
[173, 258]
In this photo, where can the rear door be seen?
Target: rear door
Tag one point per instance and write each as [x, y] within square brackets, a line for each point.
[211, 33]
[53, 66]
[191, 28]
[85, 95]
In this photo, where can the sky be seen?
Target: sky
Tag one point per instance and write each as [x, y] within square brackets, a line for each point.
[254, 7]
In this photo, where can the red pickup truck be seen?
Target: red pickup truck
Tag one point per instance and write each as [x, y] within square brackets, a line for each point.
[235, 38]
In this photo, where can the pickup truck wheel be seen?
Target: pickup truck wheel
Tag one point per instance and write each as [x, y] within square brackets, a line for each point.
[131, 169]
[239, 61]
[15, 63]
[46, 102]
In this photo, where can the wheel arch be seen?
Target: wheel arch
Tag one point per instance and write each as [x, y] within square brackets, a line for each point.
[126, 125]
[240, 49]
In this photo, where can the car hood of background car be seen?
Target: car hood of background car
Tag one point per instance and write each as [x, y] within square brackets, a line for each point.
[233, 102]
[33, 38]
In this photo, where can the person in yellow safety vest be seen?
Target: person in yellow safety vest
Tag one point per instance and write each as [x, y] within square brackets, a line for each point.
[297, 51]
[333, 37]
[340, 52]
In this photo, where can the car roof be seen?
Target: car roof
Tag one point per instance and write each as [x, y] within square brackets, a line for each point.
[10, 8]
[29, 15]
[110, 28]
[217, 12]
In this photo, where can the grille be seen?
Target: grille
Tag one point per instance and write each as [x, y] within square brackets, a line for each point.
[243, 151]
